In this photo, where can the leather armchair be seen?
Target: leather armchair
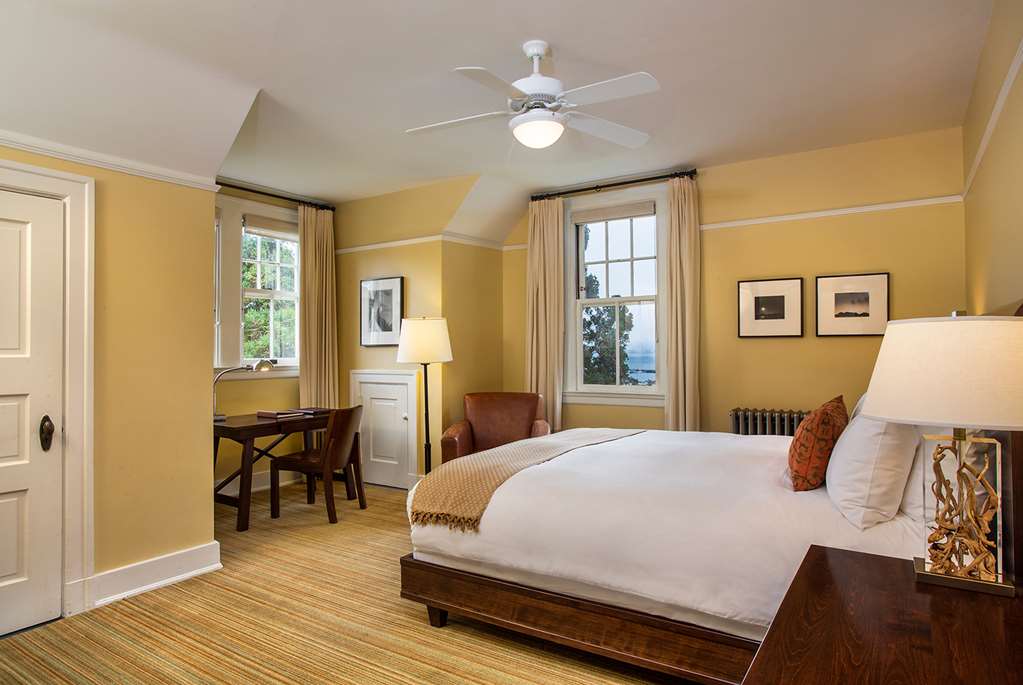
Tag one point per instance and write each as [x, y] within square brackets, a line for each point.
[492, 419]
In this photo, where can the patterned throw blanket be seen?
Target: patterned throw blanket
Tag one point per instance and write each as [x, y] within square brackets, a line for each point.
[457, 493]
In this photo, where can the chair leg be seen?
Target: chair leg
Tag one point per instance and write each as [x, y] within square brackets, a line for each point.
[310, 488]
[349, 482]
[275, 492]
[356, 476]
[328, 494]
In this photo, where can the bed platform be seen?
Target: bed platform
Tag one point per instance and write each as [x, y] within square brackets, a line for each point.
[660, 644]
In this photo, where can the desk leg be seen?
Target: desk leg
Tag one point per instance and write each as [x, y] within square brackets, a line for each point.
[245, 486]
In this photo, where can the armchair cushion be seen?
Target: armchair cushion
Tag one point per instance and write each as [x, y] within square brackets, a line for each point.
[498, 418]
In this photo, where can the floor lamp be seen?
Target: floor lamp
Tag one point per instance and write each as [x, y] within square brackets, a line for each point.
[424, 341]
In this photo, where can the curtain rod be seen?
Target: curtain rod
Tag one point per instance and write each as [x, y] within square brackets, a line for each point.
[616, 184]
[270, 192]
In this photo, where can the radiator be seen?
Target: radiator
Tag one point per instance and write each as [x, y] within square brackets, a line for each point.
[765, 421]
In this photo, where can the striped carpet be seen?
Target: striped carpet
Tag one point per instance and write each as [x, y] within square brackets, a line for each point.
[298, 601]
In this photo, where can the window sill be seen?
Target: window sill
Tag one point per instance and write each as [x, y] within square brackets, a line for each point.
[241, 375]
[622, 399]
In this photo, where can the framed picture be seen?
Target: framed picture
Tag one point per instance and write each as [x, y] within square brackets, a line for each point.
[852, 304]
[381, 307]
[771, 308]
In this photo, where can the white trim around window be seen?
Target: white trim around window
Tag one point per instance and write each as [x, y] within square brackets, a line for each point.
[576, 392]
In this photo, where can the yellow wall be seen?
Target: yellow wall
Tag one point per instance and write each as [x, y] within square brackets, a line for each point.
[154, 302]
[994, 203]
[248, 397]
[420, 211]
[921, 247]
[513, 320]
[471, 302]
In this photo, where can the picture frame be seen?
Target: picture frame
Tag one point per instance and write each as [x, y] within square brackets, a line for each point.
[853, 304]
[770, 308]
[381, 309]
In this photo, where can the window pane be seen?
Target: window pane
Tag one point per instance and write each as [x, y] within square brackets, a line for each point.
[644, 274]
[593, 242]
[288, 251]
[284, 329]
[267, 249]
[618, 239]
[255, 328]
[644, 236]
[268, 276]
[287, 277]
[619, 279]
[596, 281]
[638, 344]
[250, 246]
[249, 275]
[598, 345]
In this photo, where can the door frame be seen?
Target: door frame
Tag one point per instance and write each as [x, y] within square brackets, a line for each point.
[410, 379]
[78, 195]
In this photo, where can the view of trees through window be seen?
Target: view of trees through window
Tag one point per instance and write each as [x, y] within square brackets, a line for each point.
[269, 297]
[617, 309]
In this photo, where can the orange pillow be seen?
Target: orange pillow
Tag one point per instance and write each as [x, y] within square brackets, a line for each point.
[812, 444]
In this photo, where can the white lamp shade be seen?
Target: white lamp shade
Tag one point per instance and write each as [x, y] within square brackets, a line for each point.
[537, 128]
[424, 341]
[963, 372]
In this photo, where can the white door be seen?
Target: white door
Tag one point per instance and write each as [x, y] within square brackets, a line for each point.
[385, 433]
[31, 349]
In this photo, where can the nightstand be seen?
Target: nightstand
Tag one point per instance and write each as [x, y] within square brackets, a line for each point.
[850, 617]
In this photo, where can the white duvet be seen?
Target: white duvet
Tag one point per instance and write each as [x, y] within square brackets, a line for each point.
[699, 527]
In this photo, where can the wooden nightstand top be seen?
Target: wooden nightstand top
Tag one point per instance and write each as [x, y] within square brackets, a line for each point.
[850, 617]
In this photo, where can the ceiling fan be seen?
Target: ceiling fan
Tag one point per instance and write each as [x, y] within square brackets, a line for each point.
[540, 108]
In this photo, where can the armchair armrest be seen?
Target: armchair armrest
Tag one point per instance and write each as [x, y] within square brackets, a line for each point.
[540, 427]
[457, 441]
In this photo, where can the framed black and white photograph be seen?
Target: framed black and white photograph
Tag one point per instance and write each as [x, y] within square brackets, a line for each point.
[380, 311]
[852, 304]
[771, 308]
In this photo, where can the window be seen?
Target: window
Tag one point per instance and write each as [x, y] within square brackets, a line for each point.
[616, 310]
[269, 280]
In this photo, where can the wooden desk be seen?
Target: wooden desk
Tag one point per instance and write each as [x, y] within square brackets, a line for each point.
[850, 617]
[244, 429]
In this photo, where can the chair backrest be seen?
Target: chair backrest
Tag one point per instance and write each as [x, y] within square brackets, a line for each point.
[498, 418]
[342, 427]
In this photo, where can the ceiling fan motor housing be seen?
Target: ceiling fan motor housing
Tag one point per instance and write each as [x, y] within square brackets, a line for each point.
[543, 91]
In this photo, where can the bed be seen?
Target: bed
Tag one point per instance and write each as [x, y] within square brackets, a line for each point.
[670, 550]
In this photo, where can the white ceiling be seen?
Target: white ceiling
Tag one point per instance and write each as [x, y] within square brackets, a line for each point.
[168, 83]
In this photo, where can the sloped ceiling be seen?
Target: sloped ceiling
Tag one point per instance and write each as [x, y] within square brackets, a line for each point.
[168, 83]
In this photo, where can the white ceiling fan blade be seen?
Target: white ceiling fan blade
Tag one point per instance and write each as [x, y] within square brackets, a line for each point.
[455, 122]
[484, 77]
[608, 130]
[613, 89]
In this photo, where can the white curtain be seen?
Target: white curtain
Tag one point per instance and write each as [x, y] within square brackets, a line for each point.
[318, 353]
[682, 395]
[545, 320]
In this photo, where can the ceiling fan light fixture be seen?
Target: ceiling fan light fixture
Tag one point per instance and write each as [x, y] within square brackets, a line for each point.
[538, 128]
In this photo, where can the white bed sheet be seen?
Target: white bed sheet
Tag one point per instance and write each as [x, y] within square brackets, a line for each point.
[698, 527]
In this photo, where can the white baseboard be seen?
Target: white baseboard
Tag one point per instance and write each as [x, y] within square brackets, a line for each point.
[261, 481]
[150, 574]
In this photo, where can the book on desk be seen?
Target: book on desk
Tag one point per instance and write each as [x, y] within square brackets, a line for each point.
[291, 413]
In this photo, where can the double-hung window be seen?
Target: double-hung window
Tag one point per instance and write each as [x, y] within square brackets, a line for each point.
[612, 315]
[269, 297]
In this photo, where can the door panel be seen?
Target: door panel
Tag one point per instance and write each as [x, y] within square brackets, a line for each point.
[385, 426]
[31, 367]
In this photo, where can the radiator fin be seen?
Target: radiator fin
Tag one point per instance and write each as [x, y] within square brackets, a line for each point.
[746, 421]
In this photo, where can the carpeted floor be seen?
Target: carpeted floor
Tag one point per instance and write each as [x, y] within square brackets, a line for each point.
[298, 601]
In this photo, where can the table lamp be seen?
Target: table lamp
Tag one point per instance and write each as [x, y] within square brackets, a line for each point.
[965, 372]
[261, 366]
[424, 341]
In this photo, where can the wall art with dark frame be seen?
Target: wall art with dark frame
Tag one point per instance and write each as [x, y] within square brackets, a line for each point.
[770, 308]
[381, 309]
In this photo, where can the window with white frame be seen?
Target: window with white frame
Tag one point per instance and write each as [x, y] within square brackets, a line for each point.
[269, 281]
[616, 309]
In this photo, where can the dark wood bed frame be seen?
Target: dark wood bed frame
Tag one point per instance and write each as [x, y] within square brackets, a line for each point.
[660, 644]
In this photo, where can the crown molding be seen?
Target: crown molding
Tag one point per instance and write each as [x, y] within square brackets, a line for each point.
[459, 238]
[861, 209]
[70, 153]
[996, 113]
[514, 247]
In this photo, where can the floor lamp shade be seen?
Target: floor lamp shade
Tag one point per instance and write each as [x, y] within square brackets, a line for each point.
[424, 341]
[965, 372]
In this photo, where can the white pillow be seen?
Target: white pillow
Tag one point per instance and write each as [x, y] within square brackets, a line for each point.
[869, 468]
[859, 407]
[913, 496]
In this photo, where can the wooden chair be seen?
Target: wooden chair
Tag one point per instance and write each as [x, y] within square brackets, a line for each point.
[339, 452]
